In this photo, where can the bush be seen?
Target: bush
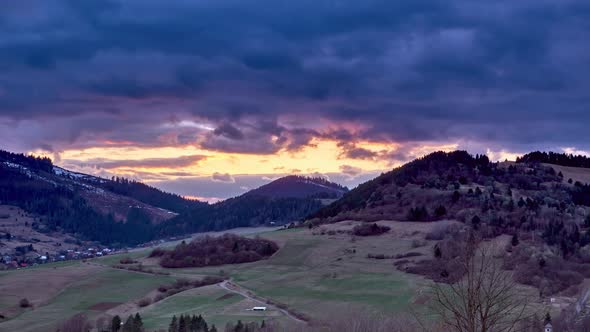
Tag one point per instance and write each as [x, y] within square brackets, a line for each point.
[127, 260]
[24, 303]
[369, 229]
[158, 252]
[409, 254]
[378, 256]
[144, 302]
[418, 214]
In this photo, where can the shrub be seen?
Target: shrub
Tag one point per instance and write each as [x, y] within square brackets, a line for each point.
[144, 302]
[378, 256]
[127, 260]
[408, 255]
[369, 229]
[24, 303]
[440, 211]
[158, 252]
[418, 214]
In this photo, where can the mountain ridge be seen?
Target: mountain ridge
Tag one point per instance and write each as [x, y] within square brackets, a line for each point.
[124, 211]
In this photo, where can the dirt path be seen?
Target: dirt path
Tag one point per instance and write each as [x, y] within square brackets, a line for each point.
[231, 287]
[226, 285]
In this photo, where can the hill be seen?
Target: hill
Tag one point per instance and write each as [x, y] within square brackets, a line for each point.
[105, 210]
[547, 217]
[282, 201]
[120, 211]
[299, 187]
[561, 159]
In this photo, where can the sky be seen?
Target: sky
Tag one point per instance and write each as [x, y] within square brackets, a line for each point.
[211, 98]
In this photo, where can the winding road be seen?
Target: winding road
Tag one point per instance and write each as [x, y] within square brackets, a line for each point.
[231, 287]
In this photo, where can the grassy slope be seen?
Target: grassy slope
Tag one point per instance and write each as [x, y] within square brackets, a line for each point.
[104, 285]
[216, 305]
[312, 274]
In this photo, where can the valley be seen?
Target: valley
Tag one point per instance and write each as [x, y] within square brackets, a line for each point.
[375, 251]
[310, 275]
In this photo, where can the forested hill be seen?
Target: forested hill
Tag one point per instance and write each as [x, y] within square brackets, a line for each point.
[123, 211]
[295, 186]
[107, 210]
[447, 185]
[284, 200]
[546, 216]
[435, 170]
[562, 159]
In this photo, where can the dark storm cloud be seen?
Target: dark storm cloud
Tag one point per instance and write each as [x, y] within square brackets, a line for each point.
[264, 75]
[349, 150]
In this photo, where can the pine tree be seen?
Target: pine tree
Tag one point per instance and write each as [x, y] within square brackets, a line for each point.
[456, 196]
[137, 323]
[182, 324]
[173, 325]
[475, 221]
[478, 191]
[547, 319]
[213, 328]
[440, 211]
[129, 325]
[194, 324]
[116, 324]
[239, 327]
[437, 252]
[515, 240]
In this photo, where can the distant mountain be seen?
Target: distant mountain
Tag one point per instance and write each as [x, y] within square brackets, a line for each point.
[122, 211]
[294, 186]
[107, 210]
[284, 200]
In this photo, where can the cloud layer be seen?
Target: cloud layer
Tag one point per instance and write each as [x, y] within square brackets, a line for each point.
[263, 77]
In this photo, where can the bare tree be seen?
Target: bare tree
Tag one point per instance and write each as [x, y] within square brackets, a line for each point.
[77, 323]
[486, 299]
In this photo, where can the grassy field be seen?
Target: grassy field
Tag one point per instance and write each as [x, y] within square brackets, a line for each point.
[312, 274]
[216, 305]
[80, 295]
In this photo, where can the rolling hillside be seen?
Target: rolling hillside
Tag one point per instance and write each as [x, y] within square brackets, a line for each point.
[282, 201]
[122, 211]
[299, 187]
[109, 211]
[546, 214]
